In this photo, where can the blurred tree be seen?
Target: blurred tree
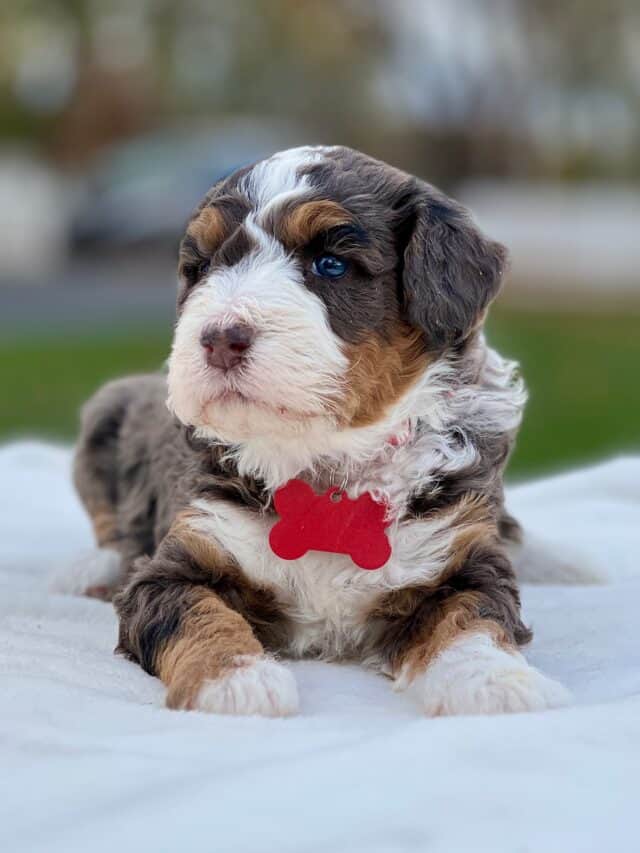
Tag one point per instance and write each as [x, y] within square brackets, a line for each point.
[586, 60]
[447, 87]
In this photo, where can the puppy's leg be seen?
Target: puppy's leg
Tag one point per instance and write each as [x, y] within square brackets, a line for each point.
[176, 626]
[462, 655]
[112, 477]
[95, 475]
[475, 672]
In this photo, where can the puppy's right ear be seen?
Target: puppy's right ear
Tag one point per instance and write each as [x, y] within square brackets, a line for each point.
[451, 271]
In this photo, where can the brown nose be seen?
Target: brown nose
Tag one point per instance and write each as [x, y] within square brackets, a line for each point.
[226, 348]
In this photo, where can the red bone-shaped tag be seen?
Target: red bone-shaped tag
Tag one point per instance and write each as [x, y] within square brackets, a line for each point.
[330, 522]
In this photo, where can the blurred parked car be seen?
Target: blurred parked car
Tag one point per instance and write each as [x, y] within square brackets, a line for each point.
[565, 241]
[144, 190]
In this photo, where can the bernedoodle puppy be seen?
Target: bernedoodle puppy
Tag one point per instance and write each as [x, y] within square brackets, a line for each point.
[320, 473]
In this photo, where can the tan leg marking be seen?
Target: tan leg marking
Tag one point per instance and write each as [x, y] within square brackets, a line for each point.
[456, 616]
[211, 641]
[212, 638]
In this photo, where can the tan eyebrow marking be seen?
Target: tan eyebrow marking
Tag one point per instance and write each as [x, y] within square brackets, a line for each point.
[311, 218]
[208, 229]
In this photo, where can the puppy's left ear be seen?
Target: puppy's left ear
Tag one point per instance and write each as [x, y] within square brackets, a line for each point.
[451, 272]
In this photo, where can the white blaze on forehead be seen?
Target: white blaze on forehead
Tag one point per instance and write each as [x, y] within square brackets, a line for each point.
[278, 179]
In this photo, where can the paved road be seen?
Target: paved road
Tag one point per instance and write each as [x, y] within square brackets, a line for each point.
[89, 298]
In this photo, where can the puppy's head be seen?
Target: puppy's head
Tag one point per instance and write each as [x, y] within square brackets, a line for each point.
[316, 287]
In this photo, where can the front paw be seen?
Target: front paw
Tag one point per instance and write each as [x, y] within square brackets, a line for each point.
[257, 686]
[474, 676]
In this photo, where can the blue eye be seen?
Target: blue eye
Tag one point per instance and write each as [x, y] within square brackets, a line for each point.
[328, 266]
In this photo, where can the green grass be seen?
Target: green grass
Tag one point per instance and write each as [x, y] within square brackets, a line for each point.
[44, 382]
[581, 370]
[582, 375]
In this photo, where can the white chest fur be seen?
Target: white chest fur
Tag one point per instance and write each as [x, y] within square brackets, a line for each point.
[326, 596]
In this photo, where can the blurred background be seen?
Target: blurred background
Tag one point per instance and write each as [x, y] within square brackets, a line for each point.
[117, 115]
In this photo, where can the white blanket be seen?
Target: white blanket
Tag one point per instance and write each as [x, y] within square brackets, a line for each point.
[91, 761]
